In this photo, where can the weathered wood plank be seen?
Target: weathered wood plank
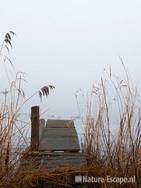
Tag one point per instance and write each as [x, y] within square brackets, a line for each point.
[59, 144]
[59, 132]
[59, 135]
[52, 123]
[54, 160]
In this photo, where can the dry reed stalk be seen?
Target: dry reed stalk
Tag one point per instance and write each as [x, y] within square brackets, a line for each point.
[12, 99]
[118, 150]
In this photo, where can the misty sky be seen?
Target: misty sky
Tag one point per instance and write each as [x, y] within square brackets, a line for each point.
[69, 43]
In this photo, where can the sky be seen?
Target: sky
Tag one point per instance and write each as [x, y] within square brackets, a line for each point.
[69, 43]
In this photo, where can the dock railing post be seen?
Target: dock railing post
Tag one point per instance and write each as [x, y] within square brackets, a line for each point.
[34, 128]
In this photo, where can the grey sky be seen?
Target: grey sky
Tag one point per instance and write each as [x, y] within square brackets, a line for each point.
[69, 43]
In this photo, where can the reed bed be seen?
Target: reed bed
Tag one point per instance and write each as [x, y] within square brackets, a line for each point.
[112, 122]
[112, 132]
[13, 128]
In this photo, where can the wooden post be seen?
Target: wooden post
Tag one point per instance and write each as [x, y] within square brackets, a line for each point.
[34, 128]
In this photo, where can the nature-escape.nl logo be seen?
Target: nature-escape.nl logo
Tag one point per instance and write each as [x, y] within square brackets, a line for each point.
[108, 179]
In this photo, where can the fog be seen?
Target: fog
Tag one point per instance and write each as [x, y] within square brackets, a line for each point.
[69, 43]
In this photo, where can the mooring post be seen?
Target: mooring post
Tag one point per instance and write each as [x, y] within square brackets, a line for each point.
[34, 128]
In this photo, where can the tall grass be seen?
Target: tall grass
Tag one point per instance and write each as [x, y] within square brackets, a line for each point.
[112, 131]
[112, 137]
[12, 100]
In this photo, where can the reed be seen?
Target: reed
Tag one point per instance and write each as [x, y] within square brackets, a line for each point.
[12, 100]
[112, 122]
[112, 131]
